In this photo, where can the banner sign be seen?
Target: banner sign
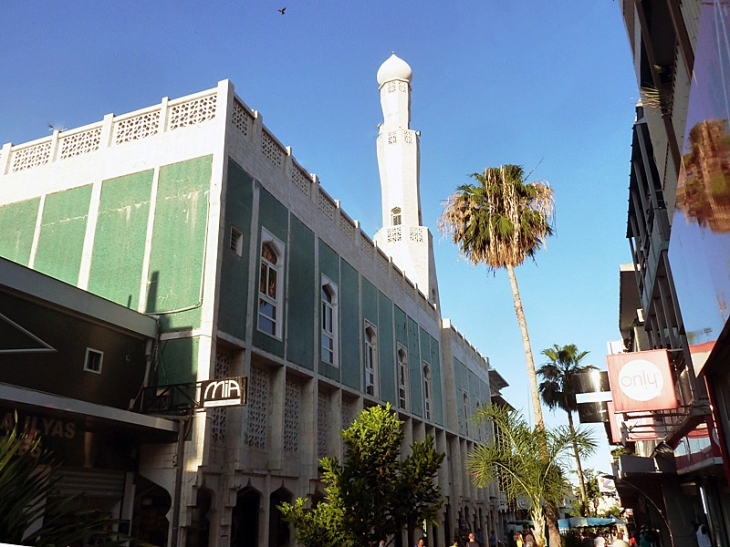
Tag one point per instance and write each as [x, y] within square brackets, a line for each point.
[223, 392]
[641, 381]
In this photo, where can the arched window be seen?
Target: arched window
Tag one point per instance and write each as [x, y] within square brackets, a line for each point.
[402, 378]
[329, 322]
[370, 358]
[395, 216]
[270, 285]
[427, 391]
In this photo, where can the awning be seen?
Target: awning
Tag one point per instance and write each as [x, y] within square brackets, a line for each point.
[162, 429]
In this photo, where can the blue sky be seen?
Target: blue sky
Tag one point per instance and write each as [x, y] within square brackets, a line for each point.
[494, 81]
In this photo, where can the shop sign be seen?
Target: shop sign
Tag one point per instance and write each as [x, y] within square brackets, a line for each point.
[46, 427]
[223, 392]
[641, 381]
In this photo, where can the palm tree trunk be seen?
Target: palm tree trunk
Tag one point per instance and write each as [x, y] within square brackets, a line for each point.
[536, 408]
[551, 516]
[581, 480]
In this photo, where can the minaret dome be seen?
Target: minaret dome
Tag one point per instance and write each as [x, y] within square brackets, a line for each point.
[394, 68]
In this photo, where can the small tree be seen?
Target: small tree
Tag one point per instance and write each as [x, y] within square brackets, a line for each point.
[529, 461]
[372, 494]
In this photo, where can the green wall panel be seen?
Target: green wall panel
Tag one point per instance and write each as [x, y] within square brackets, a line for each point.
[63, 228]
[438, 396]
[274, 217]
[234, 268]
[17, 226]
[473, 392]
[351, 339]
[329, 265]
[119, 241]
[329, 262]
[401, 326]
[460, 376]
[484, 394]
[178, 364]
[415, 369]
[386, 346]
[432, 358]
[302, 301]
[178, 243]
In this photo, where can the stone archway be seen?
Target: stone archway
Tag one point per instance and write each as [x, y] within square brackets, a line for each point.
[151, 505]
[279, 530]
[245, 518]
[198, 533]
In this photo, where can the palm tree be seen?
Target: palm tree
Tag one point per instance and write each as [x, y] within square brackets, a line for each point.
[28, 482]
[500, 221]
[558, 391]
[528, 461]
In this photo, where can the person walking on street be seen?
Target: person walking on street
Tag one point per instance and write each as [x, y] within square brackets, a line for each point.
[472, 541]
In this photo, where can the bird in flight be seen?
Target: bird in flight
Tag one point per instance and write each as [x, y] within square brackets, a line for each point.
[282, 10]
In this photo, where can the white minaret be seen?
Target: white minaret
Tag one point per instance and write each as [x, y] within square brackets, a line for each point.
[402, 235]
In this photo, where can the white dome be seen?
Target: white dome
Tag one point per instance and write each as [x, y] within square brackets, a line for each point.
[394, 68]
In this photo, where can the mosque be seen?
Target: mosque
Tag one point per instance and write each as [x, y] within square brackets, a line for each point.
[189, 227]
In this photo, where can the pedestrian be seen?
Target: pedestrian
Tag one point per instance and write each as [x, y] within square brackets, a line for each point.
[421, 542]
[644, 537]
[492, 539]
[518, 539]
[703, 538]
[472, 541]
[455, 543]
[528, 537]
[600, 541]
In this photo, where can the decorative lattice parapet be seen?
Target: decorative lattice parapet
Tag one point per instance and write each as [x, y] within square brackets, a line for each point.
[79, 142]
[347, 226]
[326, 205]
[292, 404]
[301, 180]
[135, 127]
[183, 113]
[272, 150]
[242, 118]
[28, 157]
[366, 244]
[117, 130]
[383, 260]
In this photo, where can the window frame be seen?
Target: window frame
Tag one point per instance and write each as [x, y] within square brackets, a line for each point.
[87, 366]
[326, 285]
[277, 301]
[370, 359]
[396, 216]
[427, 388]
[402, 365]
[236, 241]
